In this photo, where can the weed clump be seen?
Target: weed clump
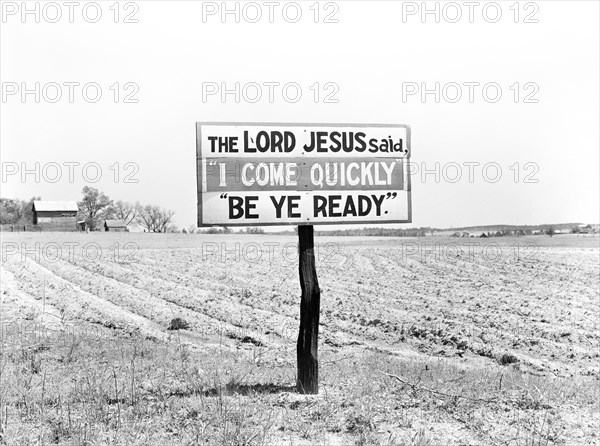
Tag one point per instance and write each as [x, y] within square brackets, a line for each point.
[507, 358]
[178, 324]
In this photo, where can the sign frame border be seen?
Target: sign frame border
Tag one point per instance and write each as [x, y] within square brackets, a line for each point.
[287, 124]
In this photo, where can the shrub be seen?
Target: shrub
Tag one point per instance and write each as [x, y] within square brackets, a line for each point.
[178, 324]
[507, 358]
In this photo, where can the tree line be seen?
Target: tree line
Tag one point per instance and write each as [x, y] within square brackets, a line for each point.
[15, 211]
[94, 208]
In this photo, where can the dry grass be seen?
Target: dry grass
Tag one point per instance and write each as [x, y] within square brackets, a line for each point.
[418, 353]
[133, 391]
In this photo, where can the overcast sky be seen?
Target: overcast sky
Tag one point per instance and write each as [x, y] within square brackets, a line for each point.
[368, 67]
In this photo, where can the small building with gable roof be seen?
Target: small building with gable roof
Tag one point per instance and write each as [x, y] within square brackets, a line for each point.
[115, 226]
[55, 215]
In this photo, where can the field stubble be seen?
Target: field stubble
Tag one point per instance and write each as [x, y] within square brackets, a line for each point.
[420, 344]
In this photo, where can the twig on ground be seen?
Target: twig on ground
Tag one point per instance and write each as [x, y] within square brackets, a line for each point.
[437, 392]
[332, 361]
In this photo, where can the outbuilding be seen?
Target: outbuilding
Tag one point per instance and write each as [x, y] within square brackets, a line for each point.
[55, 215]
[115, 226]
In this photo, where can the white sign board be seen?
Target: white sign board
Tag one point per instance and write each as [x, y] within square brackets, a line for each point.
[278, 174]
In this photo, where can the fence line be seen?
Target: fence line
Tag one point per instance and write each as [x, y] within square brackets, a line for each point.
[20, 228]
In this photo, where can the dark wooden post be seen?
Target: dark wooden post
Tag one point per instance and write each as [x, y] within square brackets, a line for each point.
[308, 338]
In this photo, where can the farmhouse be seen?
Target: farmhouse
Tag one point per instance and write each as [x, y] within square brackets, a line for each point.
[55, 215]
[115, 226]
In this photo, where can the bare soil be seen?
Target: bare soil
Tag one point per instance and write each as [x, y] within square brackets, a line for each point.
[423, 341]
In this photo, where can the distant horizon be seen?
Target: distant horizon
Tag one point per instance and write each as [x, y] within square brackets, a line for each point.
[359, 225]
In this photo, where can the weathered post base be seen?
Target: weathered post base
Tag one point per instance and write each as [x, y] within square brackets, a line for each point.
[308, 338]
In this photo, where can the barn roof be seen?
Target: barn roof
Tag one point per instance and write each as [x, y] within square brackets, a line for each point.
[65, 206]
[115, 223]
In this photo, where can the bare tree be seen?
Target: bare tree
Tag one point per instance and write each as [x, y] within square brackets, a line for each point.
[147, 217]
[126, 211]
[155, 219]
[164, 220]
